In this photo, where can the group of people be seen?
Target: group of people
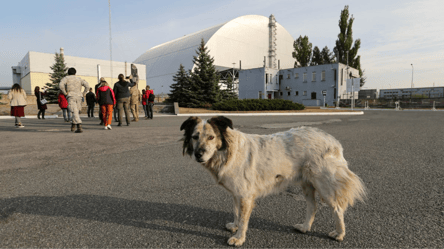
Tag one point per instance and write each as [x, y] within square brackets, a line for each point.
[124, 96]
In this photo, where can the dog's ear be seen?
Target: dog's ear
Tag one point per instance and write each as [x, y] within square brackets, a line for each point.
[221, 123]
[188, 125]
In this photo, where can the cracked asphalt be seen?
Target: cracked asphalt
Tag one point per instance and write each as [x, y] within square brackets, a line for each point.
[131, 187]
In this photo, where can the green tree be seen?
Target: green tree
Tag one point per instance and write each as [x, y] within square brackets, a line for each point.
[180, 91]
[229, 93]
[344, 51]
[327, 56]
[302, 51]
[317, 57]
[204, 79]
[59, 71]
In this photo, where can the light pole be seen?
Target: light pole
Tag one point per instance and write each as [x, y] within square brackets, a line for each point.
[411, 87]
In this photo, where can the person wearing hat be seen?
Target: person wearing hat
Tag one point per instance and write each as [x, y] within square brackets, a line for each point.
[106, 100]
[71, 87]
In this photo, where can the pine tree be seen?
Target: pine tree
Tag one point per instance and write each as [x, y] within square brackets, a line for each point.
[344, 44]
[180, 91]
[204, 79]
[59, 71]
[302, 51]
[229, 93]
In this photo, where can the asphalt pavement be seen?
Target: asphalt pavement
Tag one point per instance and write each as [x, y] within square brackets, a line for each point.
[131, 187]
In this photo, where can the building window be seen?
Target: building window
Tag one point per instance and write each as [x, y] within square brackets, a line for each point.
[288, 93]
[266, 78]
[304, 77]
[304, 93]
[260, 94]
[280, 93]
[297, 93]
[288, 76]
[296, 75]
[313, 76]
[313, 95]
[323, 76]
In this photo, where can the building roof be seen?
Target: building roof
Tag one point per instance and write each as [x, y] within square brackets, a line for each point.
[244, 39]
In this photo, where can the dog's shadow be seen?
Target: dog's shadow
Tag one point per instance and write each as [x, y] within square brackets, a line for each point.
[141, 214]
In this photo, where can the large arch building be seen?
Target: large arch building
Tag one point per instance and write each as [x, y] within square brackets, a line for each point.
[246, 41]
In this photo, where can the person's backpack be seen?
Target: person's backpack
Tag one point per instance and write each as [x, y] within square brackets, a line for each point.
[151, 97]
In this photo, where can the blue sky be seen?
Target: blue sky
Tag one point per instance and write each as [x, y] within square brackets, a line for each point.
[394, 34]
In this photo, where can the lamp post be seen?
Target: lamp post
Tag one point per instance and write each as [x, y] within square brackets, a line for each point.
[411, 87]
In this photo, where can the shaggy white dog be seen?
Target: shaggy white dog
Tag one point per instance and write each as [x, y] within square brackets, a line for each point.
[253, 166]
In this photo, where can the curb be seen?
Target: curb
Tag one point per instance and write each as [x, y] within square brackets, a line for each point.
[29, 117]
[272, 114]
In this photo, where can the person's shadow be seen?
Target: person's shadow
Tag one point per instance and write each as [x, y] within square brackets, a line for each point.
[141, 214]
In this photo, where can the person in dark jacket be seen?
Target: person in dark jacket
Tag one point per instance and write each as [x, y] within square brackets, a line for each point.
[95, 90]
[122, 93]
[91, 102]
[150, 102]
[106, 100]
[42, 107]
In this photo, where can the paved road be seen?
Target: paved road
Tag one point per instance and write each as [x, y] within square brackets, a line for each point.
[131, 187]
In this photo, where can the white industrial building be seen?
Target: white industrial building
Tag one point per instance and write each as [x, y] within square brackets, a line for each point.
[304, 85]
[243, 43]
[34, 70]
[407, 93]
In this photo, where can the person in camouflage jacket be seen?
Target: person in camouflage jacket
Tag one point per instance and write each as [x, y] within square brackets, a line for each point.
[71, 87]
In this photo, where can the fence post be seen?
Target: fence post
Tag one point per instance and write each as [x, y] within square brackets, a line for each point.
[433, 109]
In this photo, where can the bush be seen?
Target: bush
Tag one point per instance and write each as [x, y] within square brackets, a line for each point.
[257, 105]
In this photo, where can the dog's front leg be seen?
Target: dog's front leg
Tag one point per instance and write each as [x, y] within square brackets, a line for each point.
[246, 206]
[232, 227]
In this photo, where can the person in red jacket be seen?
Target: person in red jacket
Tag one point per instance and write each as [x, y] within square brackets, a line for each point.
[63, 103]
[106, 100]
[149, 103]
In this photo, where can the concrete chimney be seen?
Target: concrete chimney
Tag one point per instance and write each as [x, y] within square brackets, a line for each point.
[61, 51]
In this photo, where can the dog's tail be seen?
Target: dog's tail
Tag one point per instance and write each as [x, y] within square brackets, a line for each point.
[338, 185]
[348, 188]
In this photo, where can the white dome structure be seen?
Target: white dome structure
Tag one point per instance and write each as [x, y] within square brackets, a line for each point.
[245, 40]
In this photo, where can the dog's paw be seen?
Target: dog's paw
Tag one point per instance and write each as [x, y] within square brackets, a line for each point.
[231, 227]
[301, 228]
[335, 235]
[234, 241]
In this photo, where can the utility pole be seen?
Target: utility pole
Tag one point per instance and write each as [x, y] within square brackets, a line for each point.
[110, 43]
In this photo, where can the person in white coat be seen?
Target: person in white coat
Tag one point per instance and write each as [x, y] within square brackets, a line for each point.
[18, 102]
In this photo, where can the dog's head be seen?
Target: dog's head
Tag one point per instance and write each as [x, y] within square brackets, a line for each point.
[203, 138]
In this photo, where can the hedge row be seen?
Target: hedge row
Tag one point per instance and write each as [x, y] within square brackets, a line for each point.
[257, 105]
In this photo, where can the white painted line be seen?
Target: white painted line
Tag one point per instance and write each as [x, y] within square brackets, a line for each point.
[29, 117]
[272, 114]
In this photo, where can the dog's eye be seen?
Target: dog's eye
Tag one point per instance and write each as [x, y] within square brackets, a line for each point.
[195, 137]
[210, 138]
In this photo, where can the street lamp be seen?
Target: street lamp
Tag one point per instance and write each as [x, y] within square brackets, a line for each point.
[411, 87]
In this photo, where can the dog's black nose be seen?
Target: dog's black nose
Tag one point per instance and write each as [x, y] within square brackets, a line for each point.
[198, 155]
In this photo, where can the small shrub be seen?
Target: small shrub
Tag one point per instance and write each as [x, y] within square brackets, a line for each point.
[257, 105]
[207, 105]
